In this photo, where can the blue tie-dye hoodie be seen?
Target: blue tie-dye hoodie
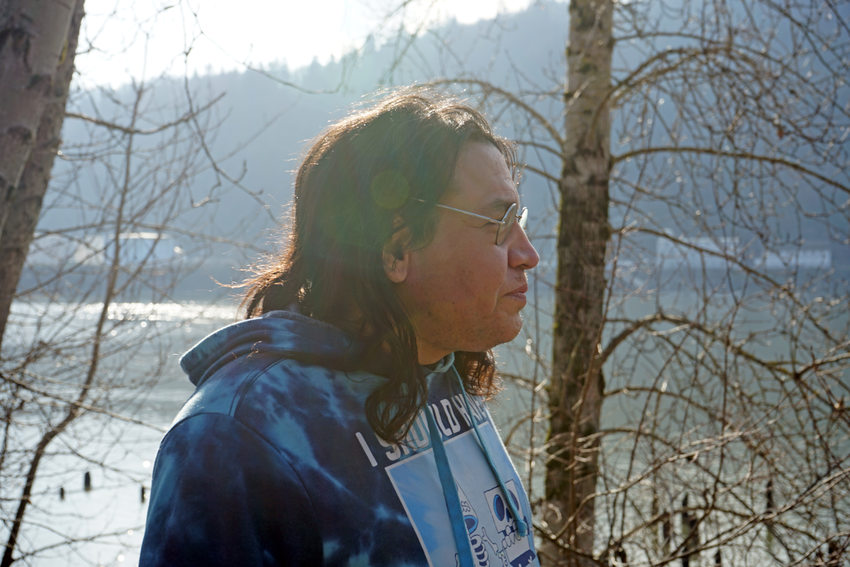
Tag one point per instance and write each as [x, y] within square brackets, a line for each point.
[272, 462]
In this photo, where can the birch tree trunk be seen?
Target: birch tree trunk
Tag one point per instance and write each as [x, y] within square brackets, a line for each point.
[38, 41]
[575, 392]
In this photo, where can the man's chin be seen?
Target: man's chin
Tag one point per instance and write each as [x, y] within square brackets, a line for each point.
[510, 331]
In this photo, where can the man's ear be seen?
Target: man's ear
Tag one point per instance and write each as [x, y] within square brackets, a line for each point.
[396, 256]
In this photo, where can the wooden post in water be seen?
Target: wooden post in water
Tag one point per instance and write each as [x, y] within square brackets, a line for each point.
[690, 533]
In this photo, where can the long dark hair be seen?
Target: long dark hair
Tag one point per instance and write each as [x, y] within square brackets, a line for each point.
[362, 180]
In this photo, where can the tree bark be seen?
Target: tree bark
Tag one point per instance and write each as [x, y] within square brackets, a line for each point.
[575, 391]
[38, 42]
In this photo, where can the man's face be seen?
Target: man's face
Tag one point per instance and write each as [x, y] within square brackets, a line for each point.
[462, 291]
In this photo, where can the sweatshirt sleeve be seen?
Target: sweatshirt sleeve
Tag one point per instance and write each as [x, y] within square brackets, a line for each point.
[221, 495]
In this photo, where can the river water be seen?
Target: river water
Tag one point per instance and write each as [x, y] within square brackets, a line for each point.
[140, 383]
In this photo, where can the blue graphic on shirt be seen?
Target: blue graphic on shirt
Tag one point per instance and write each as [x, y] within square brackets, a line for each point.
[516, 547]
[492, 532]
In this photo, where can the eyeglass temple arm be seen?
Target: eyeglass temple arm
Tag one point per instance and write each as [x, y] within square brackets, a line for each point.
[476, 215]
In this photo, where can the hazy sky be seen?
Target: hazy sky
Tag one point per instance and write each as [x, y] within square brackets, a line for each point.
[124, 39]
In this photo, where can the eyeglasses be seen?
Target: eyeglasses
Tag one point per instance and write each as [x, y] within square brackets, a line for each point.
[505, 224]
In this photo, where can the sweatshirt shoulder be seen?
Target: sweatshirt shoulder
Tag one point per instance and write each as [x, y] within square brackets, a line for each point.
[222, 392]
[280, 398]
[221, 495]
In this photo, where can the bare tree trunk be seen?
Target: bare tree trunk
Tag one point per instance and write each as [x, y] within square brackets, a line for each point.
[575, 392]
[38, 41]
[22, 204]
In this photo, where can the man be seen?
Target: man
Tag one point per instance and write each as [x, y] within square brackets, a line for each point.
[343, 422]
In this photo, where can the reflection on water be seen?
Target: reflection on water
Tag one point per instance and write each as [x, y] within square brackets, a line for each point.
[27, 313]
[199, 313]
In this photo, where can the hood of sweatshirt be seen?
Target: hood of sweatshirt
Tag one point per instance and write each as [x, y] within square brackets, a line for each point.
[289, 334]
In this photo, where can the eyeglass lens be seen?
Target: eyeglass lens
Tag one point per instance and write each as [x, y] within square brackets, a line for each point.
[509, 220]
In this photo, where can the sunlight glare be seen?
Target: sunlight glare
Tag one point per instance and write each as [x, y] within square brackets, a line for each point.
[123, 41]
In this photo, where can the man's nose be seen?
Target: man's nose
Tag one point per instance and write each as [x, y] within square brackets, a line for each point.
[522, 253]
